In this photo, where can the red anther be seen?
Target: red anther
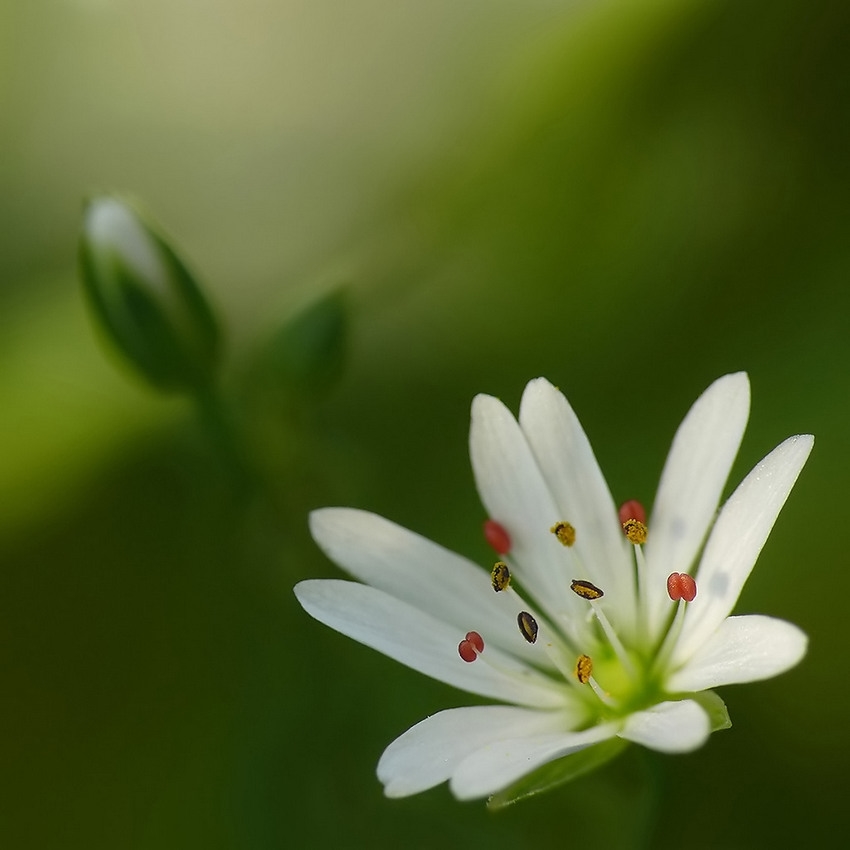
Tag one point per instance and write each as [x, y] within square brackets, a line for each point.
[497, 536]
[688, 587]
[674, 590]
[469, 648]
[632, 509]
[681, 586]
[476, 640]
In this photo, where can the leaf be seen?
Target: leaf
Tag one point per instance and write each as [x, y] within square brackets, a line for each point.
[308, 352]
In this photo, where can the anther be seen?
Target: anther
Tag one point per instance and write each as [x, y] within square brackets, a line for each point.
[635, 531]
[564, 532]
[527, 626]
[500, 576]
[471, 646]
[632, 509]
[497, 536]
[585, 589]
[584, 669]
[681, 586]
[476, 640]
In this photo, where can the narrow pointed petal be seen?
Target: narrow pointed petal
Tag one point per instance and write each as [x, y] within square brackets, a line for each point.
[503, 762]
[515, 494]
[422, 642]
[695, 472]
[567, 462]
[421, 573]
[743, 649]
[428, 753]
[669, 727]
[736, 541]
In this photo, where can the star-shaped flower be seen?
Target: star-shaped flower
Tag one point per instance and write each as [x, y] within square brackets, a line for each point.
[594, 627]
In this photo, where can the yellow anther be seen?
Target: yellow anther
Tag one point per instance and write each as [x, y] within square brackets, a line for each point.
[635, 530]
[564, 532]
[500, 576]
[584, 669]
[585, 589]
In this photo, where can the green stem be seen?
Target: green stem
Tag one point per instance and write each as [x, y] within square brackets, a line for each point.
[656, 784]
[220, 425]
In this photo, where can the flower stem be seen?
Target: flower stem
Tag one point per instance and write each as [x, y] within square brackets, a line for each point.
[218, 421]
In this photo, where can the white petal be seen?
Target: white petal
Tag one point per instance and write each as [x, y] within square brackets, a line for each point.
[736, 540]
[422, 642]
[418, 571]
[691, 484]
[670, 727]
[743, 649]
[515, 495]
[501, 763]
[567, 462]
[428, 753]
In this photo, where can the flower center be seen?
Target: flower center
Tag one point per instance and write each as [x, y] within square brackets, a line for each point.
[613, 676]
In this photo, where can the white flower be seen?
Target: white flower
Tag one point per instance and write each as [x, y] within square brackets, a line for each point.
[630, 664]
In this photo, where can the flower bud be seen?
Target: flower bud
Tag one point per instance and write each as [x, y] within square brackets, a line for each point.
[306, 354]
[145, 298]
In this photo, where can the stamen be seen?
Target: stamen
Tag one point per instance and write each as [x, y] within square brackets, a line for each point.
[584, 673]
[662, 656]
[635, 531]
[527, 626]
[590, 592]
[584, 668]
[681, 586]
[585, 589]
[632, 509]
[612, 637]
[640, 573]
[500, 576]
[603, 696]
[556, 652]
[476, 640]
[564, 532]
[497, 536]
[688, 587]
[471, 646]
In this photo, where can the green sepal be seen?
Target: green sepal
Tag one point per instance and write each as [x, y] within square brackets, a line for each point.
[558, 772]
[144, 297]
[715, 708]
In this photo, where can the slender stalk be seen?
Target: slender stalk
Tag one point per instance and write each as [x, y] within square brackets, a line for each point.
[218, 421]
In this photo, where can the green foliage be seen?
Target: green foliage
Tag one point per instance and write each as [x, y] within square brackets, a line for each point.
[306, 354]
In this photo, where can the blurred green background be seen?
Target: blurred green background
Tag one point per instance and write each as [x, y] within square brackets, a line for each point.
[630, 198]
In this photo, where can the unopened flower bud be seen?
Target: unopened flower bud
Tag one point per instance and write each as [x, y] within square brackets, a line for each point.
[145, 298]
